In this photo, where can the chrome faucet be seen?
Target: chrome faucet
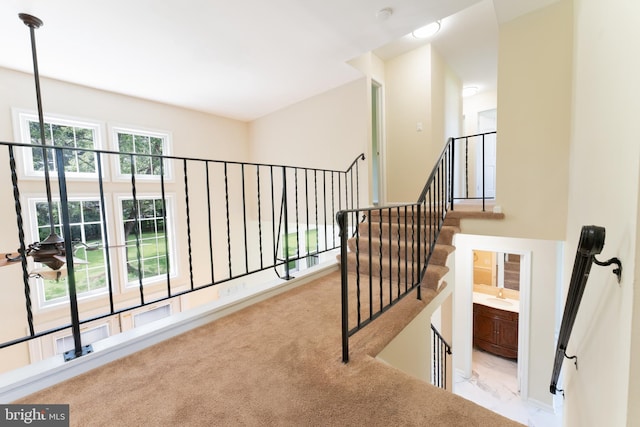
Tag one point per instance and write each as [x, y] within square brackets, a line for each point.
[500, 293]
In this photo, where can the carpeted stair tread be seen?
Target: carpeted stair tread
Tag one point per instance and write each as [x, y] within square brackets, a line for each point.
[407, 249]
[391, 270]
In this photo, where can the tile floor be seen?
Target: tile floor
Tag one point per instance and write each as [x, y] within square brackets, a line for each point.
[493, 384]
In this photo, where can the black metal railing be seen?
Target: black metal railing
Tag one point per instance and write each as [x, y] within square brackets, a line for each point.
[392, 249]
[441, 350]
[473, 178]
[590, 244]
[228, 219]
[392, 245]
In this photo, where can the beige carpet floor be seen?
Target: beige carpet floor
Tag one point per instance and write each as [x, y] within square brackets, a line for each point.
[276, 363]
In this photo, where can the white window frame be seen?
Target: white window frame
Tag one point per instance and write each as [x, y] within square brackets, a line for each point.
[22, 134]
[169, 231]
[31, 200]
[166, 151]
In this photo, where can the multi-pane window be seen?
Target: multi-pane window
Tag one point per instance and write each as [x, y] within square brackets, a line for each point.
[146, 247]
[147, 240]
[85, 224]
[310, 250]
[145, 147]
[72, 134]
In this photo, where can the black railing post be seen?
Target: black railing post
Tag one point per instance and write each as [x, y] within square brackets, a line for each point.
[418, 239]
[484, 196]
[342, 219]
[453, 173]
[71, 277]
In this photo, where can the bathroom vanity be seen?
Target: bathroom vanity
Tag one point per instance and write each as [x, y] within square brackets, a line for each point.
[495, 325]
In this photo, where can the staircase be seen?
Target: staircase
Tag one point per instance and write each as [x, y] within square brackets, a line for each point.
[388, 252]
[385, 246]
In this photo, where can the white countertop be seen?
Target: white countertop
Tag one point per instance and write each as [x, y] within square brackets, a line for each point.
[493, 301]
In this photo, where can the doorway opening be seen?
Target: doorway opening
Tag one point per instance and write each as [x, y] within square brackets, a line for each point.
[496, 308]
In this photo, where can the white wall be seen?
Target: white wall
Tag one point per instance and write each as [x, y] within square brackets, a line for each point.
[603, 190]
[540, 300]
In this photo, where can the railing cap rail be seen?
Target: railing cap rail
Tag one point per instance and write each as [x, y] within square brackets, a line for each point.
[168, 157]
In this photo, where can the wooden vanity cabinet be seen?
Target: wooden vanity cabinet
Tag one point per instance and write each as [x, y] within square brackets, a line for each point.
[495, 331]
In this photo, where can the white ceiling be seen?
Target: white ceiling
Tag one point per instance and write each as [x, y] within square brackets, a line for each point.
[242, 58]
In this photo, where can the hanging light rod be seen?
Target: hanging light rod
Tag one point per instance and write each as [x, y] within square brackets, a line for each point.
[51, 251]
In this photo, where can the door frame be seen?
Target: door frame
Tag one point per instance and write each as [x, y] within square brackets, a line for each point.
[463, 308]
[377, 144]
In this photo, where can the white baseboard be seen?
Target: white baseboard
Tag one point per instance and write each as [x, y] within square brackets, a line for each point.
[24, 381]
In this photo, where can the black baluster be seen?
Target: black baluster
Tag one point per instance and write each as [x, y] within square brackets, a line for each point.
[259, 215]
[206, 165]
[105, 235]
[186, 199]
[167, 255]
[380, 257]
[244, 221]
[136, 226]
[226, 199]
[22, 250]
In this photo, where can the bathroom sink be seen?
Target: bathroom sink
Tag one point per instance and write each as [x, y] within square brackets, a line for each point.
[500, 302]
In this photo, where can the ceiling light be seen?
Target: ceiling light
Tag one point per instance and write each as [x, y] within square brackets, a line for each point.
[427, 31]
[469, 91]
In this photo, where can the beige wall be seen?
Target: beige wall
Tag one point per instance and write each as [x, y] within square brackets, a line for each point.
[194, 133]
[373, 69]
[421, 90]
[475, 104]
[326, 131]
[604, 191]
[534, 117]
[407, 95]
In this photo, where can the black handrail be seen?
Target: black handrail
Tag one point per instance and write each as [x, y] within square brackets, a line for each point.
[590, 244]
[325, 197]
[440, 350]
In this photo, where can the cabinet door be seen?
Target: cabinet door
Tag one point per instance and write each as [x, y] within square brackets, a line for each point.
[484, 327]
[507, 334]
